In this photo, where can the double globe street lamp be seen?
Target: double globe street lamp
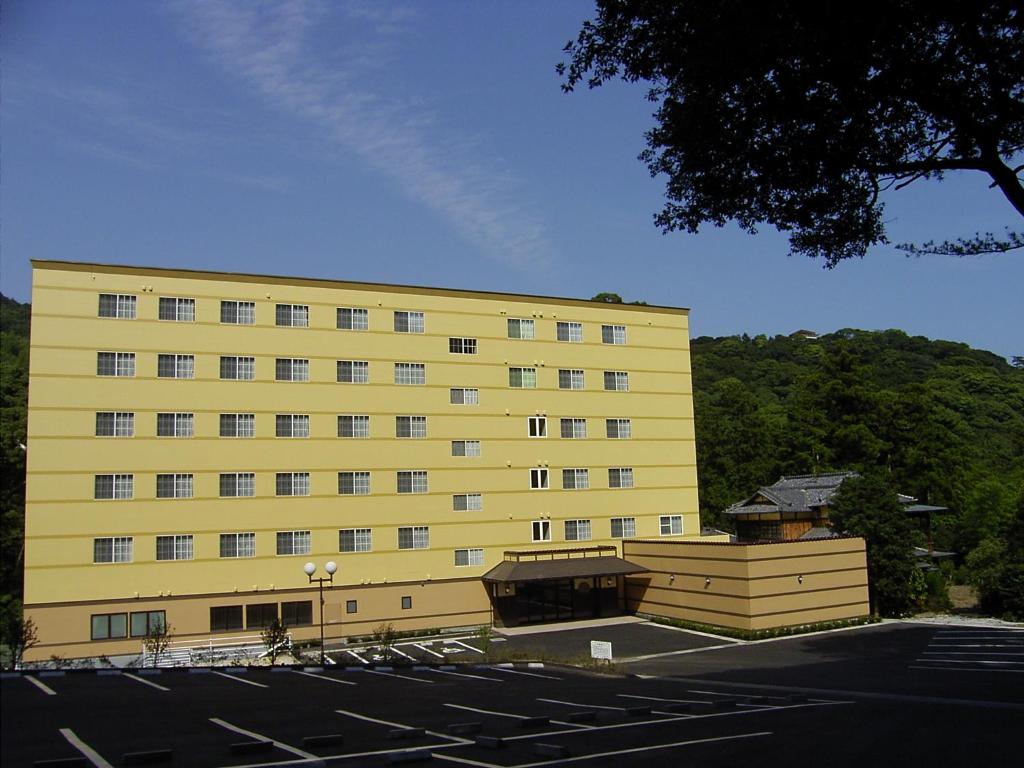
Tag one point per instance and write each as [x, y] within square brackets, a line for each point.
[310, 569]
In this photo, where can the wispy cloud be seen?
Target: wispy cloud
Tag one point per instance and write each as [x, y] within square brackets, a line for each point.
[270, 46]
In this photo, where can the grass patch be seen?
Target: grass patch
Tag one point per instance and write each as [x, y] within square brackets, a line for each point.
[763, 634]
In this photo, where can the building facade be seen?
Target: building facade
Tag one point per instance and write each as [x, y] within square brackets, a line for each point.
[196, 437]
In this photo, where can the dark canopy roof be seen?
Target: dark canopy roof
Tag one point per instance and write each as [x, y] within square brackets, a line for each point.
[544, 570]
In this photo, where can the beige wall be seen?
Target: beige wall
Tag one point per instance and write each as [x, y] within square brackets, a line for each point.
[752, 586]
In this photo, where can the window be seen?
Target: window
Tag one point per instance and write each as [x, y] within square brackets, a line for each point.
[541, 530]
[297, 614]
[351, 606]
[353, 319]
[291, 369]
[355, 540]
[292, 425]
[146, 623]
[574, 429]
[292, 484]
[410, 373]
[575, 479]
[406, 602]
[293, 543]
[520, 328]
[118, 305]
[238, 312]
[616, 381]
[467, 502]
[238, 368]
[238, 545]
[569, 332]
[522, 378]
[613, 334]
[577, 530]
[537, 426]
[571, 378]
[115, 549]
[292, 315]
[176, 366]
[115, 363]
[618, 429]
[259, 615]
[114, 486]
[414, 537]
[620, 477]
[178, 486]
[623, 527]
[237, 484]
[462, 396]
[538, 478]
[464, 557]
[408, 322]
[178, 547]
[465, 447]
[671, 525]
[459, 346]
[354, 483]
[181, 310]
[410, 426]
[353, 371]
[412, 481]
[174, 424]
[115, 424]
[225, 618]
[237, 424]
[107, 626]
[353, 426]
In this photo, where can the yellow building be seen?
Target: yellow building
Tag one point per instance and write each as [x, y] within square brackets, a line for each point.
[196, 437]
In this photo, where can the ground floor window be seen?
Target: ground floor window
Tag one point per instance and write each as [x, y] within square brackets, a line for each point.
[259, 615]
[225, 618]
[406, 602]
[107, 626]
[351, 606]
[146, 623]
[297, 614]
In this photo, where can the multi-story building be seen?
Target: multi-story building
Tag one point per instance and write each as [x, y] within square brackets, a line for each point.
[196, 437]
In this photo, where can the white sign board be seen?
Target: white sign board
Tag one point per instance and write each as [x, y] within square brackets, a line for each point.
[599, 649]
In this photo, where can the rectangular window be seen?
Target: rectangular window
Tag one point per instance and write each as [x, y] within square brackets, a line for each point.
[569, 332]
[467, 502]
[616, 381]
[178, 486]
[291, 425]
[522, 378]
[577, 530]
[353, 319]
[411, 426]
[293, 543]
[353, 371]
[670, 525]
[297, 613]
[115, 424]
[180, 310]
[461, 346]
[613, 334]
[353, 426]
[410, 373]
[407, 602]
[570, 378]
[355, 540]
[463, 396]
[408, 322]
[574, 429]
[538, 478]
[618, 429]
[412, 481]
[541, 530]
[146, 623]
[238, 312]
[292, 484]
[237, 424]
[354, 483]
[120, 305]
[620, 477]
[351, 606]
[537, 426]
[465, 557]
[114, 486]
[115, 363]
[520, 328]
[225, 618]
[465, 447]
[176, 366]
[174, 424]
[291, 369]
[260, 615]
[575, 479]
[238, 545]
[623, 527]
[292, 315]
[237, 484]
[178, 547]
[237, 368]
[113, 549]
[109, 626]
[414, 537]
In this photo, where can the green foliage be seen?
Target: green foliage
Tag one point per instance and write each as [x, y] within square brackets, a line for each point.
[996, 569]
[158, 641]
[14, 329]
[274, 637]
[17, 634]
[385, 636]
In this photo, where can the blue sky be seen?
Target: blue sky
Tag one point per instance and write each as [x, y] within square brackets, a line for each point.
[425, 143]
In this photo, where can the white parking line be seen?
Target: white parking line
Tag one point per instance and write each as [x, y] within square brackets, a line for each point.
[974, 645]
[144, 681]
[464, 674]
[961, 669]
[970, 661]
[91, 754]
[513, 716]
[260, 737]
[360, 658]
[238, 679]
[402, 653]
[41, 685]
[578, 704]
[651, 748]
[467, 646]
[402, 726]
[500, 668]
[657, 698]
[427, 650]
[395, 674]
[324, 677]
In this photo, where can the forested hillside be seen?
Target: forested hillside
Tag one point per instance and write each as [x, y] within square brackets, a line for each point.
[14, 323]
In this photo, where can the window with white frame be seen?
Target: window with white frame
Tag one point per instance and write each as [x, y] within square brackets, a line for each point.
[411, 426]
[350, 319]
[292, 315]
[670, 525]
[522, 378]
[616, 381]
[292, 484]
[293, 543]
[113, 549]
[464, 396]
[541, 530]
[414, 537]
[114, 486]
[466, 557]
[408, 322]
[465, 447]
[539, 478]
[467, 502]
[237, 484]
[176, 366]
[577, 530]
[521, 328]
[461, 346]
[573, 429]
[237, 424]
[291, 369]
[115, 424]
[238, 544]
[618, 429]
[575, 479]
[353, 371]
[175, 424]
[234, 368]
[570, 378]
[537, 426]
[115, 363]
[613, 334]
[177, 547]
[238, 312]
[119, 305]
[292, 425]
[412, 481]
[353, 426]
[410, 373]
[174, 486]
[620, 477]
[354, 483]
[355, 540]
[180, 310]
[566, 331]
[623, 527]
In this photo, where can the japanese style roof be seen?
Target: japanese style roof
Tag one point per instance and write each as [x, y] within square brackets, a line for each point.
[819, 532]
[797, 493]
[546, 570]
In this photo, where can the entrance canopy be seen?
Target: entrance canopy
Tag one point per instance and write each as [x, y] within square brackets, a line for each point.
[553, 564]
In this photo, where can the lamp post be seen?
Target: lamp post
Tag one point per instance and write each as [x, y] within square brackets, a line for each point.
[310, 569]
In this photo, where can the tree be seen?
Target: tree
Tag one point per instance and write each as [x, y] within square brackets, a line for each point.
[158, 640]
[800, 114]
[17, 633]
[385, 636]
[275, 637]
